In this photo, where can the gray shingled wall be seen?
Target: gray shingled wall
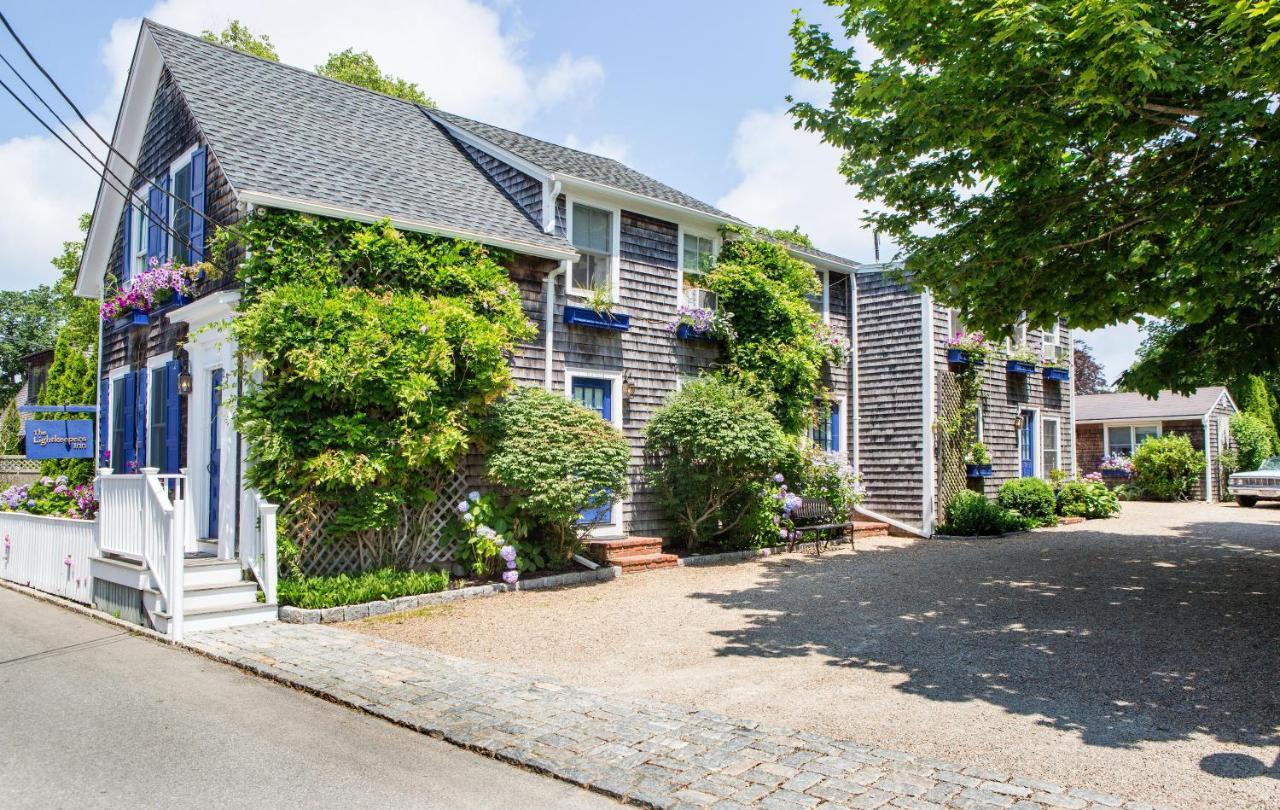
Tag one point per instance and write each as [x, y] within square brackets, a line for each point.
[524, 191]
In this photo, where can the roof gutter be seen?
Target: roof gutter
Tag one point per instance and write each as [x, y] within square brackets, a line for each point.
[417, 226]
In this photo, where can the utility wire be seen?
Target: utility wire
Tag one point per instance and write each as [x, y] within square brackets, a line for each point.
[111, 149]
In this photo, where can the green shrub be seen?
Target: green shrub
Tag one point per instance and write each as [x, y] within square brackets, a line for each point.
[1129, 492]
[558, 460]
[1167, 467]
[829, 477]
[1252, 438]
[10, 430]
[371, 586]
[711, 448]
[1030, 497]
[970, 513]
[1087, 499]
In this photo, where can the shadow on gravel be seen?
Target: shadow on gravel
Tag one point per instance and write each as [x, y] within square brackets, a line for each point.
[1121, 639]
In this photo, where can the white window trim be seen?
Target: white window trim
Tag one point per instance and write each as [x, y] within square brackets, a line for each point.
[1037, 458]
[978, 426]
[954, 324]
[136, 254]
[1106, 433]
[681, 232]
[153, 363]
[1057, 430]
[614, 376]
[615, 245]
[170, 239]
[826, 296]
[842, 444]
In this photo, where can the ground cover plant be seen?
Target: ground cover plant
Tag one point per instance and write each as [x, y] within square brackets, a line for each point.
[352, 589]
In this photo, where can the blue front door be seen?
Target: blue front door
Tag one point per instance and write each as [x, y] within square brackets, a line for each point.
[598, 396]
[215, 451]
[1027, 444]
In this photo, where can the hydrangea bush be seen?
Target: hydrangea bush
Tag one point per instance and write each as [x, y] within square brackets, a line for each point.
[492, 538]
[55, 497]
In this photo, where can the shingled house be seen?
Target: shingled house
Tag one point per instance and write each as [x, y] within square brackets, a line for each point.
[227, 132]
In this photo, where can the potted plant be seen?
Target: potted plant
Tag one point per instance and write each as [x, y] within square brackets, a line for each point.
[1115, 465]
[977, 461]
[160, 284]
[1055, 370]
[701, 323]
[1021, 360]
[967, 348]
[598, 312]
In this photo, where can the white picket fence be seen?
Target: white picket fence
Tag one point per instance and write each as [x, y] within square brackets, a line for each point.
[49, 554]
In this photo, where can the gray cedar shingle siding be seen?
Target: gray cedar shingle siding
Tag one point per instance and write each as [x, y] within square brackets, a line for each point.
[524, 191]
[890, 393]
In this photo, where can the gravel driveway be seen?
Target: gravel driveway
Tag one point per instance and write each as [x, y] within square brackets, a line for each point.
[1136, 656]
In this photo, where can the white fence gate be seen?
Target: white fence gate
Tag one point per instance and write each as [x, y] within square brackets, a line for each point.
[49, 554]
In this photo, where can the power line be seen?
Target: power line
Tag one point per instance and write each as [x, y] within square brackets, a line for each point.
[111, 150]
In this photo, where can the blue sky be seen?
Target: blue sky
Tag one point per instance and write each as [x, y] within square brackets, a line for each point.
[690, 92]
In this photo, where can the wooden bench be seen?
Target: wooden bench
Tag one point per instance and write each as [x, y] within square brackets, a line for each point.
[816, 515]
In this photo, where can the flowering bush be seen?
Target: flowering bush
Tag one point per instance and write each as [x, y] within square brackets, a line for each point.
[973, 344]
[55, 497]
[1115, 462]
[830, 477]
[491, 538]
[157, 284]
[704, 322]
[837, 345]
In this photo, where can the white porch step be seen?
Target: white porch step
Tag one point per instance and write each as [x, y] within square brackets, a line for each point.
[194, 621]
[199, 597]
[207, 546]
[208, 571]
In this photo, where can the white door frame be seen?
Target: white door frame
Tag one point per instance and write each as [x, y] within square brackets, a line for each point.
[1037, 457]
[614, 376]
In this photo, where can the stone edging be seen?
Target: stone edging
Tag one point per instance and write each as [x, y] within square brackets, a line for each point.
[346, 613]
[1069, 520]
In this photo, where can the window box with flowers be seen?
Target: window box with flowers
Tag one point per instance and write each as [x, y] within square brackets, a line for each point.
[1021, 360]
[977, 462]
[701, 323]
[1054, 369]
[1115, 465]
[161, 284]
[967, 349]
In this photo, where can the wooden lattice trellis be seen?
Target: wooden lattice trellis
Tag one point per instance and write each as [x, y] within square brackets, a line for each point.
[951, 448]
[416, 541]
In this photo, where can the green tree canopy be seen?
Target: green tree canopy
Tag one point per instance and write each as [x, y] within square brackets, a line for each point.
[237, 35]
[359, 68]
[1098, 159]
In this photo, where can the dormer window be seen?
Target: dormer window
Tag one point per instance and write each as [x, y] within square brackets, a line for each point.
[697, 254]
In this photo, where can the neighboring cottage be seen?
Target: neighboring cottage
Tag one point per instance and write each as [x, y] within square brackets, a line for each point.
[1118, 423]
[226, 132]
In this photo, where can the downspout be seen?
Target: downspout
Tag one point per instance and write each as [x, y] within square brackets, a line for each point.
[97, 387]
[927, 409]
[1075, 465]
[1208, 465]
[855, 405]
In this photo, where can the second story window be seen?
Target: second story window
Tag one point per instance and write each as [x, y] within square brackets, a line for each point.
[136, 255]
[1053, 347]
[180, 210]
[593, 237]
[696, 256]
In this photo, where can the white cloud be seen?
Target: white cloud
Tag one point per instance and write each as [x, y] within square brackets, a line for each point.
[791, 178]
[1115, 347]
[607, 145]
[465, 54]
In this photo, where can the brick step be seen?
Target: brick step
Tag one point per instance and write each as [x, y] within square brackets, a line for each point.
[613, 551]
[870, 528]
[636, 563]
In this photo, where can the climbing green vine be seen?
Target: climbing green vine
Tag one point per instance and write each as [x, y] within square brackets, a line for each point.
[375, 355]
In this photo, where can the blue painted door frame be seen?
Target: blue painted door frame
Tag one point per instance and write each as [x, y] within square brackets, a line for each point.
[597, 395]
[1027, 444]
[215, 451]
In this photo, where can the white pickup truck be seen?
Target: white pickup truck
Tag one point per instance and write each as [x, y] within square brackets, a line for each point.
[1263, 484]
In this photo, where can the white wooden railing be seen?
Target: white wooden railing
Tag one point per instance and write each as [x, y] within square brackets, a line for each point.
[258, 540]
[148, 517]
[49, 554]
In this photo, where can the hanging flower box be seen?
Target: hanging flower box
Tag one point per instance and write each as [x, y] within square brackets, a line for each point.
[1116, 473]
[967, 348]
[687, 332]
[978, 470]
[701, 323]
[960, 357]
[582, 316]
[159, 285]
[134, 318]
[1056, 374]
[1115, 465]
[1020, 367]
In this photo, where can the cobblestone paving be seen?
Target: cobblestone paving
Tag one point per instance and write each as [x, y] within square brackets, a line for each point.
[644, 752]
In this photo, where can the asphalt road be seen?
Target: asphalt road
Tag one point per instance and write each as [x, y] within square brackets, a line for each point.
[93, 717]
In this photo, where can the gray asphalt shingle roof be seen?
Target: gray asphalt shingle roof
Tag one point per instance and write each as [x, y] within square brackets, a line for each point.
[1127, 407]
[284, 131]
[584, 165]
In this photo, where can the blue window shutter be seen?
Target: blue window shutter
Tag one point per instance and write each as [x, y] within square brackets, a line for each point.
[199, 168]
[172, 416]
[126, 253]
[140, 419]
[157, 220]
[835, 428]
[104, 411]
[128, 415]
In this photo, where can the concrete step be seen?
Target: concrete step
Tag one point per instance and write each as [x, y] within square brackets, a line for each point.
[614, 551]
[194, 621]
[636, 563]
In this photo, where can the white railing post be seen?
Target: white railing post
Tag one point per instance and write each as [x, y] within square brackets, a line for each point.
[267, 516]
